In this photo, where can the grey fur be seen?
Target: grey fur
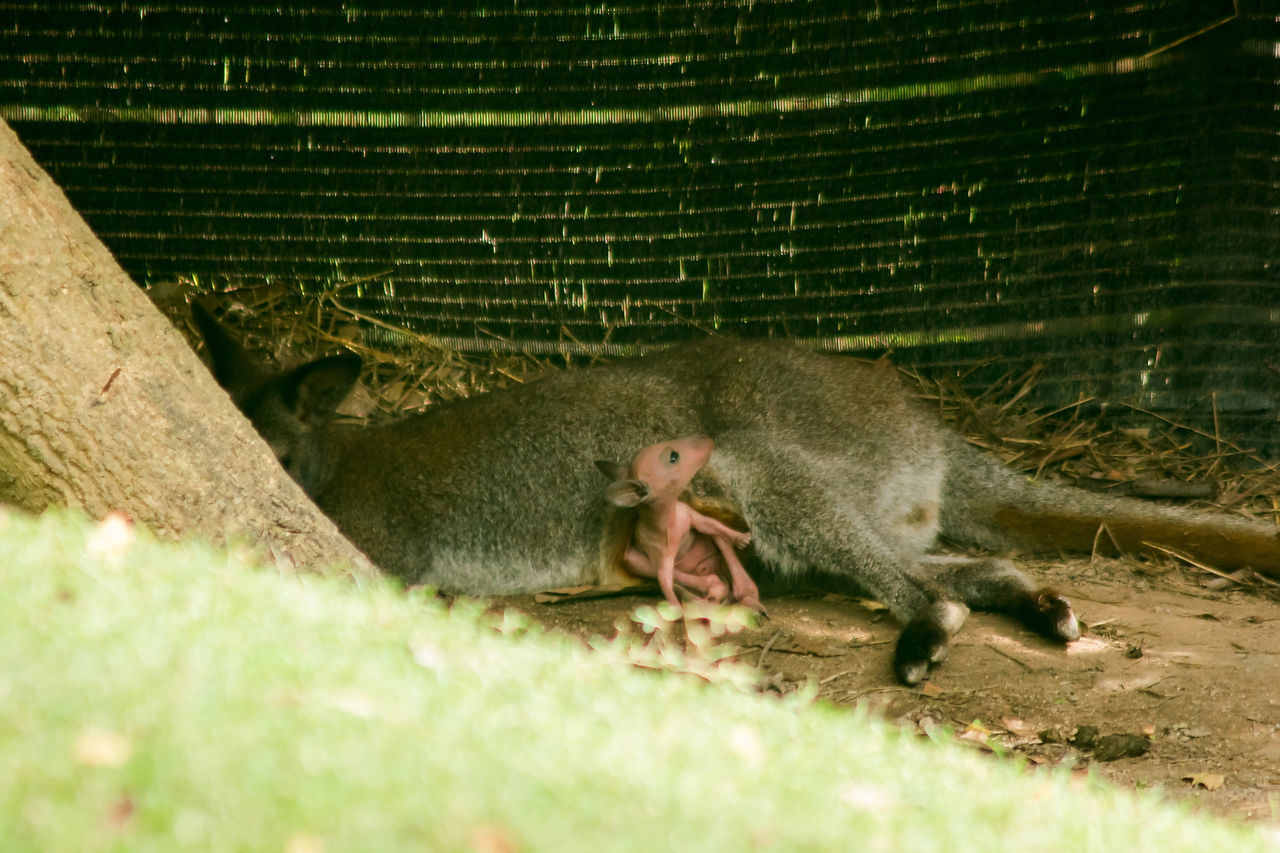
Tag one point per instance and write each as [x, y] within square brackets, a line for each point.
[835, 469]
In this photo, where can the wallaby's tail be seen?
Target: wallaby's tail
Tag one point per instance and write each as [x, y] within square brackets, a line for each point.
[986, 504]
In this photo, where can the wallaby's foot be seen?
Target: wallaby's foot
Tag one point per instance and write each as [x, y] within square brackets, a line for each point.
[997, 585]
[1050, 615]
[922, 644]
[925, 640]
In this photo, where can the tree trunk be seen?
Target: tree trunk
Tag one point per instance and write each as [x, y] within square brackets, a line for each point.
[103, 405]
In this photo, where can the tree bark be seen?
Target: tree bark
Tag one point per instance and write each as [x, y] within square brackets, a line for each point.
[104, 406]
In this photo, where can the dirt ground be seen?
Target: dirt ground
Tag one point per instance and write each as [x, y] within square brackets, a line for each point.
[1189, 674]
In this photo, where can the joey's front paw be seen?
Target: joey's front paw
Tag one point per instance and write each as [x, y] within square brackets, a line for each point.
[742, 540]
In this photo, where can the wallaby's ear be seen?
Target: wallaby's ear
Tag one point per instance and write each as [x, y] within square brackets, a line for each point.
[316, 389]
[612, 470]
[235, 368]
[626, 493]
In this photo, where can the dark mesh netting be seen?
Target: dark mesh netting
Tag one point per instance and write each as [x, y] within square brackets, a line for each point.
[1080, 185]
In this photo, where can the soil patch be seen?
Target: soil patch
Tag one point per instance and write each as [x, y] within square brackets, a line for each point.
[1190, 675]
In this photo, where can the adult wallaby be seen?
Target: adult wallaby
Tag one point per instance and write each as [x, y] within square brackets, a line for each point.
[672, 541]
[833, 467]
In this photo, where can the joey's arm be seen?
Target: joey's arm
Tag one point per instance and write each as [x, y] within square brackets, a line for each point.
[712, 527]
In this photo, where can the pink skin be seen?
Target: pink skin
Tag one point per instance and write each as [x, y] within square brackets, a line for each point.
[672, 541]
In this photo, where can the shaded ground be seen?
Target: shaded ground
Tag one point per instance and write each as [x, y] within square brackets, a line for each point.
[1197, 672]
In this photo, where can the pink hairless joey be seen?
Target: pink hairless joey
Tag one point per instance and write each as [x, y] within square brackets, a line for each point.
[672, 541]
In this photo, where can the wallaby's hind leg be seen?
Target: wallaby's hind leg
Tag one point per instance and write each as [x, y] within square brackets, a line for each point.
[745, 591]
[799, 529]
[997, 585]
[710, 587]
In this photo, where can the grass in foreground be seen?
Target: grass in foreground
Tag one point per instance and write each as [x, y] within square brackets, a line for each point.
[161, 697]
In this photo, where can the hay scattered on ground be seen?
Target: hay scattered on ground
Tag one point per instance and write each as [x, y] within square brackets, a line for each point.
[1096, 447]
[404, 371]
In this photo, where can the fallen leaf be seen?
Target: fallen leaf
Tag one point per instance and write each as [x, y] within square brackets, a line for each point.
[1013, 724]
[746, 742]
[302, 842]
[493, 839]
[976, 734]
[121, 812]
[1208, 781]
[103, 748]
[427, 654]
[866, 796]
[352, 702]
[111, 538]
[932, 727]
[585, 593]
[570, 590]
[931, 690]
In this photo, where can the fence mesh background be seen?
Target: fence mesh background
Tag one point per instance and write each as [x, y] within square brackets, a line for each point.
[1091, 187]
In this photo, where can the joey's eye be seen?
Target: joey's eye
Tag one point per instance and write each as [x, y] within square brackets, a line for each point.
[675, 457]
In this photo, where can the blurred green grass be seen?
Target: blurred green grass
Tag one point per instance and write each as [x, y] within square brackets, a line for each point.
[172, 696]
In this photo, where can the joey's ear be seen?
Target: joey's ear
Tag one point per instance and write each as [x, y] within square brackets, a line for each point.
[316, 389]
[612, 470]
[235, 368]
[626, 493]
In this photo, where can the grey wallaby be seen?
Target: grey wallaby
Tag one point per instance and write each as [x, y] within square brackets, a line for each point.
[838, 473]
